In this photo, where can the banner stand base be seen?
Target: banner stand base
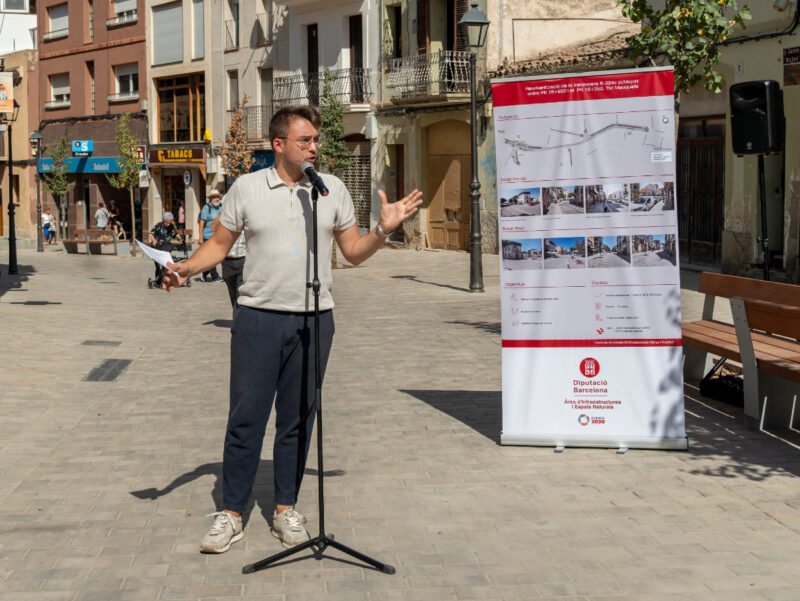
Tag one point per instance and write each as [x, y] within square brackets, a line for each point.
[620, 443]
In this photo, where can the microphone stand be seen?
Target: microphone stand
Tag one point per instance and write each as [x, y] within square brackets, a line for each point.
[319, 543]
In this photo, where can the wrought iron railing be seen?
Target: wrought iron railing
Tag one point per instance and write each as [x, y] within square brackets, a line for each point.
[231, 34]
[428, 77]
[124, 96]
[349, 86]
[263, 33]
[54, 35]
[255, 120]
[57, 104]
[129, 16]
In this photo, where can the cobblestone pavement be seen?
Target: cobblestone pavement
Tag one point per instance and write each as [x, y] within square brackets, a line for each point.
[105, 486]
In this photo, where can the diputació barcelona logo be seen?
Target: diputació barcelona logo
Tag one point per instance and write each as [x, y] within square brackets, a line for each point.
[590, 367]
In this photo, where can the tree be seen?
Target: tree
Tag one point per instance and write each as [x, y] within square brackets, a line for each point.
[237, 157]
[333, 155]
[129, 165]
[55, 181]
[689, 33]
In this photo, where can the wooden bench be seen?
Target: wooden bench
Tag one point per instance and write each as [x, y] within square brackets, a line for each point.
[94, 240]
[763, 338]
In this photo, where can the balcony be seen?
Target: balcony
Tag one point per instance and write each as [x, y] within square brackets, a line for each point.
[57, 104]
[255, 120]
[261, 30]
[349, 86]
[124, 96]
[428, 77]
[231, 34]
[124, 18]
[56, 34]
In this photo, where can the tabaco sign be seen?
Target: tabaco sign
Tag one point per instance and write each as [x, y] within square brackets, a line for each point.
[177, 155]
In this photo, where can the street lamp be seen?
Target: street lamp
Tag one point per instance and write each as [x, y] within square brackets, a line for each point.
[477, 25]
[36, 145]
[12, 234]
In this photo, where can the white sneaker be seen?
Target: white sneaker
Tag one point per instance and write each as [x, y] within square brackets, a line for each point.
[227, 529]
[288, 527]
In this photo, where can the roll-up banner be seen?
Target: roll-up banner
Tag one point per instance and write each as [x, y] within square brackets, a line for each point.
[591, 315]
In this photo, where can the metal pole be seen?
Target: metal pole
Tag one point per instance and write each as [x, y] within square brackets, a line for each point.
[12, 234]
[762, 196]
[475, 258]
[39, 243]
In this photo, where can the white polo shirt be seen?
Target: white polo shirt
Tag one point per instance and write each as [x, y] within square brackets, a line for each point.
[277, 225]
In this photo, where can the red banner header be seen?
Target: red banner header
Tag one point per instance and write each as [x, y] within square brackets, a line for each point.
[592, 343]
[574, 89]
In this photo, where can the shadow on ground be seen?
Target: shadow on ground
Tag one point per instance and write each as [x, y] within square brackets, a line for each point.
[413, 278]
[493, 327]
[481, 410]
[14, 283]
[262, 489]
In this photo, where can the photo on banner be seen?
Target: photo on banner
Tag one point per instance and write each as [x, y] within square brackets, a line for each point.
[591, 324]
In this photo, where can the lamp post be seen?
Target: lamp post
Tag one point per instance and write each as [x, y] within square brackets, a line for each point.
[12, 234]
[36, 145]
[477, 25]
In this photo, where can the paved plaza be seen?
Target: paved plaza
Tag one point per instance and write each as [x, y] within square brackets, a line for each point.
[652, 258]
[563, 207]
[522, 210]
[608, 260]
[105, 485]
[565, 262]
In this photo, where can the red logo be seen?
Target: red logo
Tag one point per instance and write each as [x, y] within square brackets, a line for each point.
[600, 331]
[590, 367]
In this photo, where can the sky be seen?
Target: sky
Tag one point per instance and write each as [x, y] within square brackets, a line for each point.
[566, 242]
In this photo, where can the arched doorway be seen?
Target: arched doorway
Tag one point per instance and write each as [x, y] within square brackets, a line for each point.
[449, 166]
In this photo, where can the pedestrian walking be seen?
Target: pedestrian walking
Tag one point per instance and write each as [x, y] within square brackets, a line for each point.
[48, 226]
[182, 215]
[101, 216]
[233, 267]
[209, 212]
[272, 340]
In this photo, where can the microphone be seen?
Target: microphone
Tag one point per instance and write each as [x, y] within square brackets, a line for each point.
[314, 178]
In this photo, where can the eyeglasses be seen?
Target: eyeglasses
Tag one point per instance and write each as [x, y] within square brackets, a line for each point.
[305, 142]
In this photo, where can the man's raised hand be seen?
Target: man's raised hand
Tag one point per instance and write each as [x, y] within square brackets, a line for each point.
[395, 213]
[175, 278]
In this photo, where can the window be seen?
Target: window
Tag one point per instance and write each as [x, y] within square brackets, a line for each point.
[198, 20]
[168, 33]
[181, 108]
[58, 22]
[59, 91]
[127, 78]
[124, 7]
[14, 6]
[232, 26]
[233, 90]
[33, 36]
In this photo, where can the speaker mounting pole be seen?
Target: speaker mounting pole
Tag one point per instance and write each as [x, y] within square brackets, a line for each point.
[762, 197]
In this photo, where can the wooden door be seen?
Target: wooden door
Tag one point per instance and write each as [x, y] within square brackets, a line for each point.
[448, 211]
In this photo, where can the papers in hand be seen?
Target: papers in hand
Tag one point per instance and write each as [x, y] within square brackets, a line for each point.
[159, 256]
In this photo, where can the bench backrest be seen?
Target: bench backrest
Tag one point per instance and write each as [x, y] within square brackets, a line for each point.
[772, 318]
[732, 286]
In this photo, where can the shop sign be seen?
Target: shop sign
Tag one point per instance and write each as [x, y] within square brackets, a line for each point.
[187, 177]
[6, 92]
[262, 159]
[144, 181]
[791, 66]
[141, 152]
[82, 148]
[177, 155]
[84, 165]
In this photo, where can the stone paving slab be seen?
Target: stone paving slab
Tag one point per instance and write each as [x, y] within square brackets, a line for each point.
[105, 486]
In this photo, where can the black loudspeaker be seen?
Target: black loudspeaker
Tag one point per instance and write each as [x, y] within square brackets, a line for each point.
[757, 121]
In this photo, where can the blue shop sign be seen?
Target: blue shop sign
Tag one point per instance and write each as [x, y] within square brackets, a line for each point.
[83, 165]
[263, 159]
[83, 146]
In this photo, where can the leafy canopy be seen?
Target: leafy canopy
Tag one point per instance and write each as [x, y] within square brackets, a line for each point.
[56, 180]
[127, 157]
[237, 156]
[333, 153]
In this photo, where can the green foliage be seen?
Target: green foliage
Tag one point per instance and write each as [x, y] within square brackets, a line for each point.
[237, 157]
[333, 153]
[56, 180]
[688, 32]
[128, 157]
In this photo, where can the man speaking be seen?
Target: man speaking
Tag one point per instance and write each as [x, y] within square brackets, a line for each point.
[272, 339]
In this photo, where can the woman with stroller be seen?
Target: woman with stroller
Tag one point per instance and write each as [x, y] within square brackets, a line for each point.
[161, 238]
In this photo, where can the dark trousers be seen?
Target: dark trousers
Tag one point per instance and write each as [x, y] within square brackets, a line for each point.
[211, 274]
[272, 357]
[232, 270]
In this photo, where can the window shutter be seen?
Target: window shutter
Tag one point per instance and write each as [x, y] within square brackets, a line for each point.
[123, 6]
[59, 17]
[168, 33]
[59, 84]
[422, 26]
[462, 41]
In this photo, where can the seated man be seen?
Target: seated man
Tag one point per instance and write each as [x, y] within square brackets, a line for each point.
[161, 238]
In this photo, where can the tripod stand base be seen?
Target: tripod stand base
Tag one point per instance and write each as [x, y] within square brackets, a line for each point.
[318, 544]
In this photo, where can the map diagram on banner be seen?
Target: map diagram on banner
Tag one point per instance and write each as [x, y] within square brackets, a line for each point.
[532, 149]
